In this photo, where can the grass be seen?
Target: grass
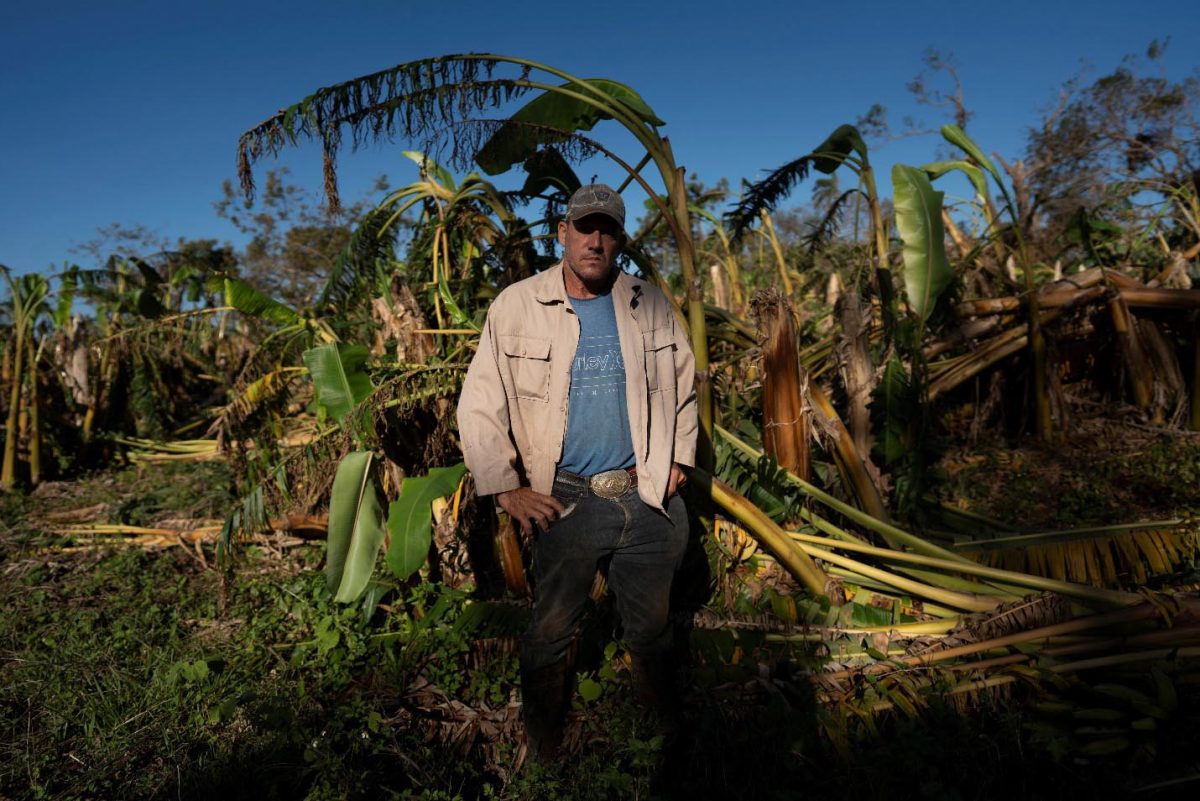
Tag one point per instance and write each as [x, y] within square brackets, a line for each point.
[135, 675]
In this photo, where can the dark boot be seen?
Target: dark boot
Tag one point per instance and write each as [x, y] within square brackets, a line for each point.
[655, 681]
[544, 694]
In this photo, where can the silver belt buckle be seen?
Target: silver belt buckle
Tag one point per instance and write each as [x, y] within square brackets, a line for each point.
[611, 484]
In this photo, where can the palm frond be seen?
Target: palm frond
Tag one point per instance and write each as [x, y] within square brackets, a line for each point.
[415, 100]
[765, 195]
[825, 228]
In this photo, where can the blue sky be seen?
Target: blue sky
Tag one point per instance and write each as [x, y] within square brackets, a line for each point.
[129, 112]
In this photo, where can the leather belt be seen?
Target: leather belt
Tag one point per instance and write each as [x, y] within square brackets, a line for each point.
[611, 484]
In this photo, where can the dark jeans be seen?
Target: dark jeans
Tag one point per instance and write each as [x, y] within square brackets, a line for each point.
[645, 547]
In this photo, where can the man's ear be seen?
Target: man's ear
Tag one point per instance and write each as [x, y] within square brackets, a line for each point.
[562, 233]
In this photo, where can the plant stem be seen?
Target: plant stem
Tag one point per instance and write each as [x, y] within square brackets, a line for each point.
[798, 563]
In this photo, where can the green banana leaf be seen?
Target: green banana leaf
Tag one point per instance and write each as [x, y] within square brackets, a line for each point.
[337, 373]
[548, 171]
[958, 137]
[919, 220]
[893, 409]
[67, 286]
[435, 171]
[830, 154]
[457, 316]
[356, 529]
[253, 303]
[518, 140]
[936, 169]
[409, 517]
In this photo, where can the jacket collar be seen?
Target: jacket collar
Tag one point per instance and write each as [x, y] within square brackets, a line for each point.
[549, 288]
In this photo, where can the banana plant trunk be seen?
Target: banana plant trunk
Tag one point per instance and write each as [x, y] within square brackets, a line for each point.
[35, 436]
[780, 263]
[854, 359]
[1037, 350]
[883, 271]
[695, 310]
[1194, 417]
[786, 416]
[1137, 366]
[8, 473]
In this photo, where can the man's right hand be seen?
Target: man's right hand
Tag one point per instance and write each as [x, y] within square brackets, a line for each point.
[530, 508]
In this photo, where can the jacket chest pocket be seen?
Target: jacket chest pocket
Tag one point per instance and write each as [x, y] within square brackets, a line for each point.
[527, 362]
[659, 347]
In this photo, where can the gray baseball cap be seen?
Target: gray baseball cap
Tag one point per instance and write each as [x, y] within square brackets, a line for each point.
[597, 199]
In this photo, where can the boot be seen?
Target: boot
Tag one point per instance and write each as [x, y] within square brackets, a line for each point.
[655, 681]
[544, 693]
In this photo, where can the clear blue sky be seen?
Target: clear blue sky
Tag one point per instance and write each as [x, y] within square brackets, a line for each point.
[129, 112]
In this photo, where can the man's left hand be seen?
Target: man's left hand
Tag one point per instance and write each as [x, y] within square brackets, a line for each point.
[676, 480]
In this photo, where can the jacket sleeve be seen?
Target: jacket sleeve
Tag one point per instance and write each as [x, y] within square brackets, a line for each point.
[686, 424]
[483, 421]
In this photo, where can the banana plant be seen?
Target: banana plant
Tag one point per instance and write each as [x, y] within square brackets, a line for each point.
[901, 404]
[26, 302]
[843, 147]
[1037, 342]
[465, 230]
[358, 531]
[440, 97]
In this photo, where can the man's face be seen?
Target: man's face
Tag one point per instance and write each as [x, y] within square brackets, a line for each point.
[591, 245]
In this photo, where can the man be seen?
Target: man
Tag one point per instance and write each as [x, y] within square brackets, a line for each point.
[578, 414]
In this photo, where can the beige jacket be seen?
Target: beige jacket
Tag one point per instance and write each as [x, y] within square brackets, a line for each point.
[512, 416]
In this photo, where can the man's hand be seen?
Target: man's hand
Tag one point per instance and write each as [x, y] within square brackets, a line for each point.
[676, 480]
[530, 508]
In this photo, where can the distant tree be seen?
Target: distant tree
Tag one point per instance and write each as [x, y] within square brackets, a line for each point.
[927, 87]
[122, 241]
[1128, 141]
[294, 237]
[653, 234]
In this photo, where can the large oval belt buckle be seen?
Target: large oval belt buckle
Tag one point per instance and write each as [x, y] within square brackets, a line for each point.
[611, 484]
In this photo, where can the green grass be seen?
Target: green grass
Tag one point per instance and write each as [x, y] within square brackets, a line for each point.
[137, 675]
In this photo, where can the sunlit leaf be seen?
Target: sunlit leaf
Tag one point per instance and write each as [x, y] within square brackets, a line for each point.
[457, 316]
[936, 169]
[431, 168]
[253, 303]
[958, 137]
[919, 220]
[337, 373]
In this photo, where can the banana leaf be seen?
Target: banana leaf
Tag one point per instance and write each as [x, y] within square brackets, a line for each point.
[536, 122]
[936, 169]
[958, 137]
[919, 220]
[409, 517]
[356, 529]
[830, 154]
[337, 373]
[253, 303]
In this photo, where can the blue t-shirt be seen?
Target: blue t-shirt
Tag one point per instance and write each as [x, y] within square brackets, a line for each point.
[598, 436]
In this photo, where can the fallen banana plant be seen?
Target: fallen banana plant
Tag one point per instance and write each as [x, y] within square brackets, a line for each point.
[1103, 556]
[149, 451]
[1001, 627]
